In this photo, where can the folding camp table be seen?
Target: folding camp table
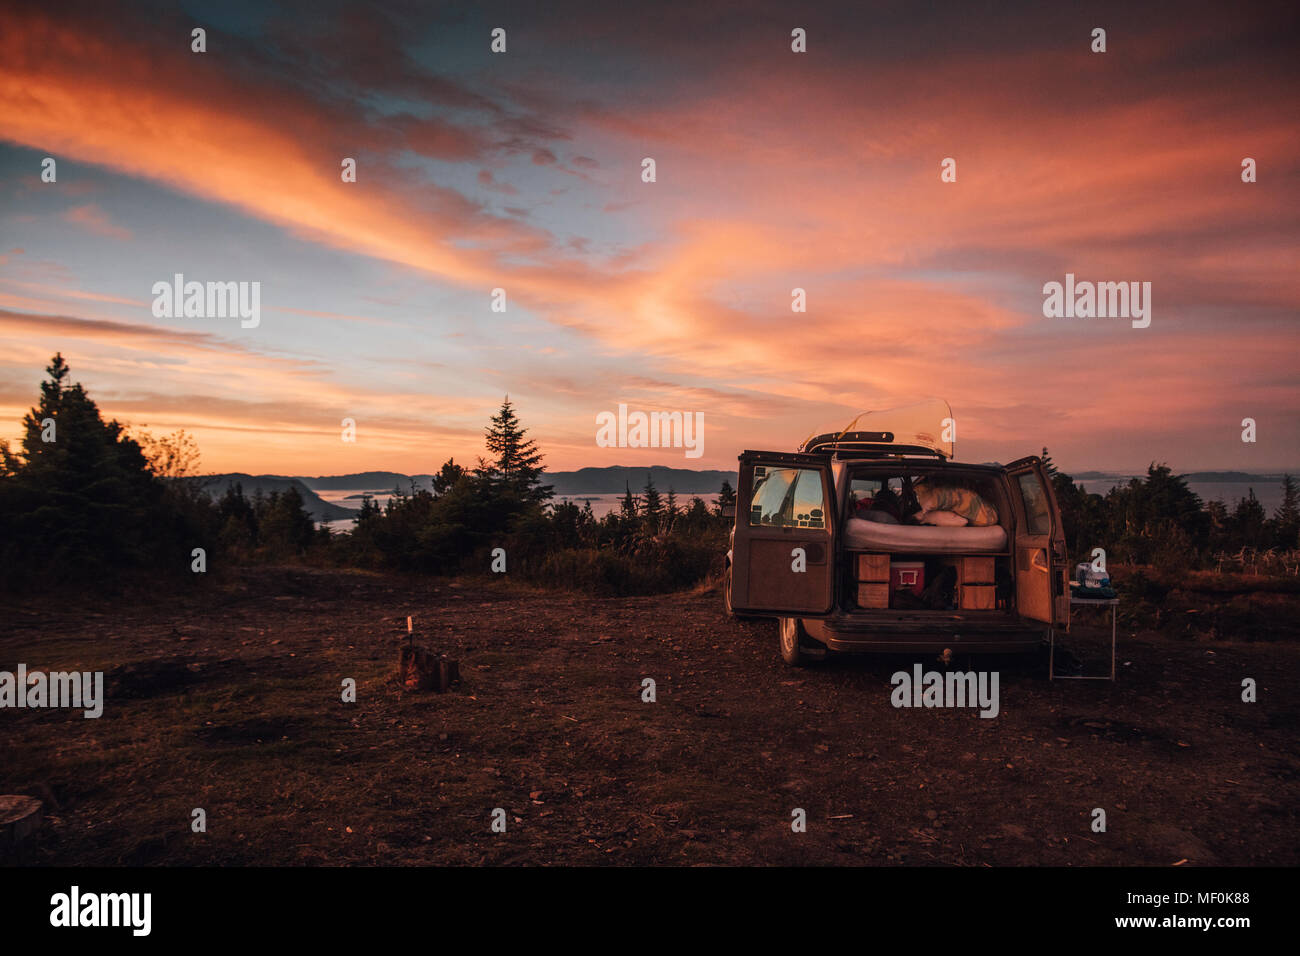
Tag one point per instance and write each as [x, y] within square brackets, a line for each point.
[1113, 604]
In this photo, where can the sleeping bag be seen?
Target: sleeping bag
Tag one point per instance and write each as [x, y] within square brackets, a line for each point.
[959, 501]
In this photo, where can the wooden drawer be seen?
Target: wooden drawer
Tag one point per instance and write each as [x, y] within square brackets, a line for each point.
[873, 567]
[873, 595]
[977, 597]
[976, 570]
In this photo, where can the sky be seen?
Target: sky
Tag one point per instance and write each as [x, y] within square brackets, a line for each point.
[775, 170]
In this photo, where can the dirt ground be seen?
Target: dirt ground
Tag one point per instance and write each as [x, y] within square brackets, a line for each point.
[230, 701]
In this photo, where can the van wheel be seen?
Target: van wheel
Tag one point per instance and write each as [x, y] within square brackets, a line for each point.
[792, 634]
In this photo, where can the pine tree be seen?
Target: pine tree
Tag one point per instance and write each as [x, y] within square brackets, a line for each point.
[447, 476]
[629, 508]
[84, 450]
[653, 507]
[516, 468]
[1288, 511]
[726, 496]
[284, 526]
[697, 514]
[80, 494]
[1287, 517]
[1049, 466]
[1248, 521]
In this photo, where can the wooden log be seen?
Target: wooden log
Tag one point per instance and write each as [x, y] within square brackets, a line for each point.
[20, 816]
[417, 667]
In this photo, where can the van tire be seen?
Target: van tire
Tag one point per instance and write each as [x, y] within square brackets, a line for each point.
[791, 636]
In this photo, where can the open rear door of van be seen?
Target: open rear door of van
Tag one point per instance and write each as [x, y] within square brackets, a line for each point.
[783, 546]
[1042, 572]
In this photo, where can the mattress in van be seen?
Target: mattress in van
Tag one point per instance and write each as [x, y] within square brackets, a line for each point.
[860, 535]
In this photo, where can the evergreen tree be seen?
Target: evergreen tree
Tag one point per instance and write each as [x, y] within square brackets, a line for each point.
[1248, 521]
[1286, 519]
[447, 476]
[1220, 525]
[629, 508]
[79, 500]
[516, 466]
[237, 521]
[368, 512]
[652, 508]
[284, 526]
[1049, 466]
[726, 496]
[1288, 511]
[1082, 515]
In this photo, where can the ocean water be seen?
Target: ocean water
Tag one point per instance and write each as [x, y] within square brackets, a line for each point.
[1268, 492]
[601, 504]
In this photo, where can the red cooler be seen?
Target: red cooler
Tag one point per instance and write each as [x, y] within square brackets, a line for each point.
[907, 576]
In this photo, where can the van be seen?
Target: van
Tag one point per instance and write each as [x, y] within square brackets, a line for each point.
[873, 539]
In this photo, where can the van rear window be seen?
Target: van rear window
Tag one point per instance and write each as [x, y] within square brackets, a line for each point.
[787, 498]
[1035, 498]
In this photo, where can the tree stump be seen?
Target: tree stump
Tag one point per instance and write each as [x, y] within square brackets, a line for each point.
[419, 669]
[20, 816]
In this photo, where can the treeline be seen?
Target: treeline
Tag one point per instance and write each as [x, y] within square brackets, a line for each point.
[474, 521]
[1159, 521]
[82, 502]
[87, 501]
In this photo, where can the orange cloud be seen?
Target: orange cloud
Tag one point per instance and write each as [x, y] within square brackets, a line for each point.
[95, 220]
[818, 174]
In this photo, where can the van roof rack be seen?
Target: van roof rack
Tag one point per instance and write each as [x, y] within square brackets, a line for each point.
[866, 445]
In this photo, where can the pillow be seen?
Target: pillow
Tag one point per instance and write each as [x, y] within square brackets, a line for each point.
[943, 519]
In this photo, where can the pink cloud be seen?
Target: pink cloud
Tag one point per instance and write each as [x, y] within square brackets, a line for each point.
[95, 220]
[786, 176]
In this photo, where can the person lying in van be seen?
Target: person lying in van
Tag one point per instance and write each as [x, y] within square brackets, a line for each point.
[885, 507]
[952, 505]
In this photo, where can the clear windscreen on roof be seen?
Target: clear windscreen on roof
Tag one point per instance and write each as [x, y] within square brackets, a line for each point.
[928, 424]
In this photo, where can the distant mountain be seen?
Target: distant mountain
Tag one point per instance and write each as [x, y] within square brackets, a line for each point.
[616, 479]
[319, 509]
[589, 481]
[366, 481]
[585, 481]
